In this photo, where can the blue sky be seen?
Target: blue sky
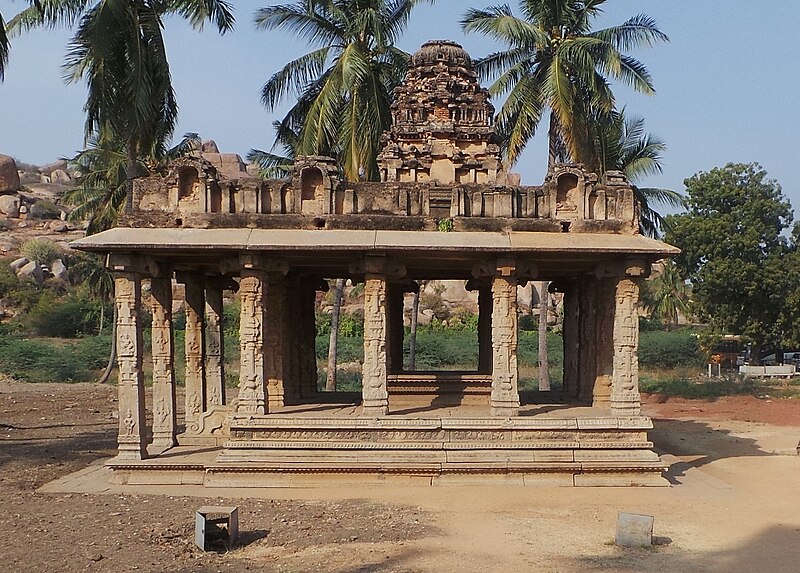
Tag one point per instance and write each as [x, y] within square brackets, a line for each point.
[727, 84]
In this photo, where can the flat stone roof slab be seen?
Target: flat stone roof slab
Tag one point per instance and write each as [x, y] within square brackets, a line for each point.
[298, 240]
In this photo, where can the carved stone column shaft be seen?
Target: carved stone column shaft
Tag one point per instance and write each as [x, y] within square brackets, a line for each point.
[625, 399]
[195, 347]
[275, 310]
[605, 305]
[307, 340]
[505, 393]
[374, 384]
[571, 339]
[485, 352]
[164, 402]
[587, 335]
[214, 346]
[251, 398]
[130, 345]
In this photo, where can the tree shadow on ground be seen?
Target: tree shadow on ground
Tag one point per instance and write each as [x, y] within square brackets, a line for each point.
[700, 441]
[775, 549]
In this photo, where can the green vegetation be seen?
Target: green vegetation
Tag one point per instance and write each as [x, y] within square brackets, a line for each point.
[685, 387]
[737, 250]
[43, 251]
[48, 360]
[343, 87]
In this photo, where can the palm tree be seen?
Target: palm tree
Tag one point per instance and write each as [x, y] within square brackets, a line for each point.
[4, 48]
[101, 185]
[622, 144]
[556, 62]
[667, 295]
[344, 86]
[118, 48]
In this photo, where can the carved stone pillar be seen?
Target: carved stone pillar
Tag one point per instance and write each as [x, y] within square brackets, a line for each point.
[275, 309]
[604, 341]
[195, 345]
[214, 345]
[164, 403]
[251, 398]
[570, 336]
[587, 336]
[395, 330]
[132, 438]
[485, 352]
[291, 340]
[505, 393]
[307, 365]
[625, 399]
[375, 399]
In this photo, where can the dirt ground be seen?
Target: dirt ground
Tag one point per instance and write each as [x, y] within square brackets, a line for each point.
[733, 506]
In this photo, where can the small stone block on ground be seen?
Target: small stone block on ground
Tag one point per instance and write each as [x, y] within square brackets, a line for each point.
[634, 530]
[216, 527]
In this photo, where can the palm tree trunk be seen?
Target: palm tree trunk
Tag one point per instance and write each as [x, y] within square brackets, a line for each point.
[412, 337]
[102, 317]
[131, 168]
[333, 346]
[112, 359]
[544, 366]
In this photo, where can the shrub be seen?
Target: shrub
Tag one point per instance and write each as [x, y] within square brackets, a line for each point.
[685, 388]
[42, 251]
[669, 349]
[44, 209]
[49, 361]
[64, 317]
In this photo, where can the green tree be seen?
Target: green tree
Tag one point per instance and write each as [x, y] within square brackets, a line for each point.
[344, 86]
[118, 48]
[667, 295]
[736, 253]
[101, 186]
[4, 48]
[555, 62]
[622, 144]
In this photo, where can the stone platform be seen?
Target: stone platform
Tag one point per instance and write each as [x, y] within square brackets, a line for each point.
[324, 444]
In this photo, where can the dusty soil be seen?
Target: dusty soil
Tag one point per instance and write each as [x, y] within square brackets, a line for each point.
[733, 506]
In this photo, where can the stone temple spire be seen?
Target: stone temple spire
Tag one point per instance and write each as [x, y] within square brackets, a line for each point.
[442, 123]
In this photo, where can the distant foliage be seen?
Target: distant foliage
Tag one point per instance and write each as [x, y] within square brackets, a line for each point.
[43, 251]
[44, 209]
[675, 349]
[686, 388]
[63, 317]
[350, 324]
[46, 361]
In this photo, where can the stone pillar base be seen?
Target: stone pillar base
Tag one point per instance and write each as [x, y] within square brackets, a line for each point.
[626, 405]
[375, 409]
[505, 410]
